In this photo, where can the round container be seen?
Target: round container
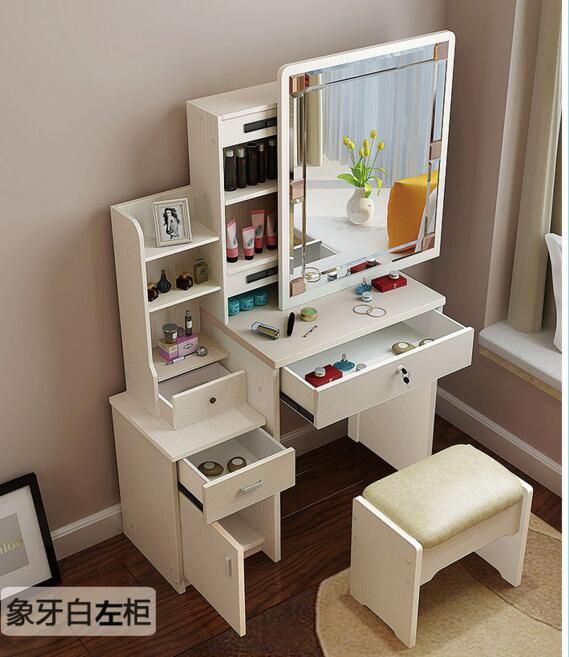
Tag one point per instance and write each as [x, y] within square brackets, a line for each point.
[233, 306]
[236, 463]
[261, 297]
[170, 333]
[371, 262]
[210, 468]
[425, 341]
[246, 302]
[308, 314]
[366, 296]
[401, 347]
[394, 275]
[319, 372]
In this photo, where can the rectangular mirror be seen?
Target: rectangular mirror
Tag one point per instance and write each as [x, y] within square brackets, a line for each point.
[363, 154]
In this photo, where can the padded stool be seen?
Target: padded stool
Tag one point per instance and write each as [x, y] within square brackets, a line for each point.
[410, 525]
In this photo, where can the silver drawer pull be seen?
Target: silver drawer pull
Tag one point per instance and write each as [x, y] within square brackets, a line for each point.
[228, 569]
[251, 487]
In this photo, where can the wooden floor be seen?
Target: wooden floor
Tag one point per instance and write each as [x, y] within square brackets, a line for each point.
[316, 544]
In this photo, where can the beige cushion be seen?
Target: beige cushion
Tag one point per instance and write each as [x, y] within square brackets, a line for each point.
[445, 494]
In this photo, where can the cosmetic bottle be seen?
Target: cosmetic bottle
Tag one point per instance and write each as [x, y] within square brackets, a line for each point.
[163, 284]
[230, 171]
[252, 149]
[262, 162]
[241, 168]
[201, 270]
[188, 323]
[272, 159]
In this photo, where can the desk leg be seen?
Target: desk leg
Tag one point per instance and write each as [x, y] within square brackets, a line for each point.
[400, 430]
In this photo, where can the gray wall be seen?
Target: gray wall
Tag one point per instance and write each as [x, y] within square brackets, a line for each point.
[92, 113]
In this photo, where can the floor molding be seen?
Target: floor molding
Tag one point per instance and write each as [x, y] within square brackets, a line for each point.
[517, 452]
[88, 531]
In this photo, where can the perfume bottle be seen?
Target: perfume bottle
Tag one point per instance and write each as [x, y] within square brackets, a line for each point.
[241, 168]
[252, 149]
[230, 171]
[188, 323]
[163, 284]
[272, 159]
[200, 271]
[262, 162]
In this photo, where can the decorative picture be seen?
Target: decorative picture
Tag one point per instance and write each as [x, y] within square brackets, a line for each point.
[172, 222]
[27, 557]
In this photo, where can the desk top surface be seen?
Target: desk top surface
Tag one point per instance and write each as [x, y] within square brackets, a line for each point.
[337, 323]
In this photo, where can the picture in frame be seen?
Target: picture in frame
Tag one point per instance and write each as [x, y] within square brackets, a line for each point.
[172, 222]
[27, 556]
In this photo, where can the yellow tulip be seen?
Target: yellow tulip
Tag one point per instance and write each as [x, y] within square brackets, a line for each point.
[362, 152]
[373, 134]
[347, 141]
[365, 143]
[352, 145]
[367, 151]
[381, 146]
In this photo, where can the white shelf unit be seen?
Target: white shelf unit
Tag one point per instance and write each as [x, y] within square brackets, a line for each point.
[215, 123]
[139, 261]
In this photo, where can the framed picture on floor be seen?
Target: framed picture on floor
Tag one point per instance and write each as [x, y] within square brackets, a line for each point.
[27, 557]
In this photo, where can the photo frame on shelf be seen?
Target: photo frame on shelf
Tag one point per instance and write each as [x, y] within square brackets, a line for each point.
[172, 222]
[27, 556]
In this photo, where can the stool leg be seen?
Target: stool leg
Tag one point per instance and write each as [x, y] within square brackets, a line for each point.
[507, 553]
[385, 571]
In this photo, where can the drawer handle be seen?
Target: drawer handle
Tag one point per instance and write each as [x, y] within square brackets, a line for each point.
[228, 569]
[212, 400]
[251, 487]
[405, 374]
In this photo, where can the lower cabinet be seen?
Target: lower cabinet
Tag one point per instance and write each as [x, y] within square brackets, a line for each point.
[214, 554]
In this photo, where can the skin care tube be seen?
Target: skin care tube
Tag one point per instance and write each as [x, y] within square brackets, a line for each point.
[248, 242]
[232, 245]
[271, 230]
[258, 221]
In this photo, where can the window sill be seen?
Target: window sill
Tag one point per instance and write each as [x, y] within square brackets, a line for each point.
[531, 356]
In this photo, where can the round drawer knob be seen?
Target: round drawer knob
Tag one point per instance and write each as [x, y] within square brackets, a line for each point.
[212, 400]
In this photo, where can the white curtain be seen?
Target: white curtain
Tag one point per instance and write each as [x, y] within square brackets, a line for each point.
[525, 311]
[397, 103]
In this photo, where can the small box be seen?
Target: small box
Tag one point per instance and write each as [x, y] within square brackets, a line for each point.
[354, 269]
[187, 344]
[166, 351]
[389, 282]
[331, 373]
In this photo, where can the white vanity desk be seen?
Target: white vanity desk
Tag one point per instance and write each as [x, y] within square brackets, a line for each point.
[173, 418]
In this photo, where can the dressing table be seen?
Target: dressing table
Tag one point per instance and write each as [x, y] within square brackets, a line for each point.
[172, 418]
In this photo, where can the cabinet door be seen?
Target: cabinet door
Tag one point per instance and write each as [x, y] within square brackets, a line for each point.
[214, 564]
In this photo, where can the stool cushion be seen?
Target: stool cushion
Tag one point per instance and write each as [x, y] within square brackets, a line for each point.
[445, 494]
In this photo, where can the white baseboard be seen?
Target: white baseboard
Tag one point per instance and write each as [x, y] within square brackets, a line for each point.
[517, 452]
[88, 531]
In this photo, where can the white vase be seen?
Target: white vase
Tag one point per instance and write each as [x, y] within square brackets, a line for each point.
[359, 208]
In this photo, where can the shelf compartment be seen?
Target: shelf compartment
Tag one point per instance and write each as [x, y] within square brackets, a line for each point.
[214, 354]
[175, 296]
[260, 261]
[200, 237]
[251, 191]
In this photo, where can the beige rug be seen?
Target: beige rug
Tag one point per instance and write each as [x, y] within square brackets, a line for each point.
[466, 610]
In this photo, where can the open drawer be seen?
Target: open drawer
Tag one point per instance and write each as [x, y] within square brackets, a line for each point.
[200, 394]
[382, 378]
[270, 469]
[214, 555]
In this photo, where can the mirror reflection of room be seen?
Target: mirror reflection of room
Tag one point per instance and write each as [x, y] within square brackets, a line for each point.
[363, 132]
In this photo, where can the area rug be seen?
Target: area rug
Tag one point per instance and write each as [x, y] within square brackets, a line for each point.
[466, 610]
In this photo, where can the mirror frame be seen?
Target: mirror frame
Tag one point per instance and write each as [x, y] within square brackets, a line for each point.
[298, 68]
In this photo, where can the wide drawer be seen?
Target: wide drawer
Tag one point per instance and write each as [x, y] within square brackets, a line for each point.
[249, 127]
[200, 394]
[270, 469]
[382, 378]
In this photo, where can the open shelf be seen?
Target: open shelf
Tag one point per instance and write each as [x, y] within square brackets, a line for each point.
[214, 354]
[250, 192]
[249, 538]
[175, 296]
[260, 261]
[200, 237]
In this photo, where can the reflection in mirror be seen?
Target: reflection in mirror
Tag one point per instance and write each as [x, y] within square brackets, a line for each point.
[365, 139]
